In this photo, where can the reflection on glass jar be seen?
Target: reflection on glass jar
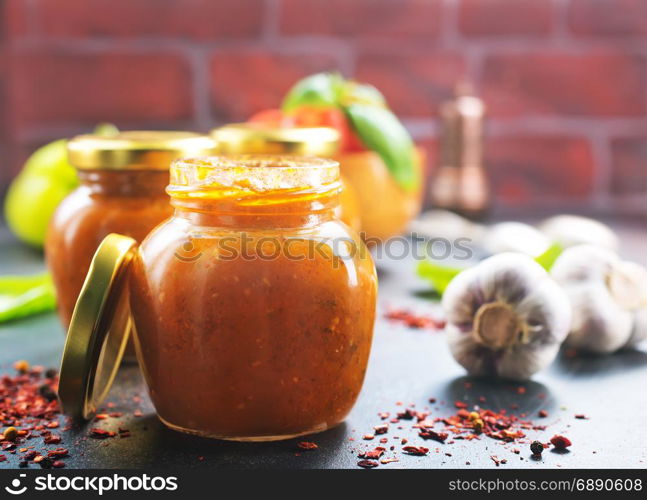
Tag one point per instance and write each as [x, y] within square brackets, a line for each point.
[253, 305]
[122, 190]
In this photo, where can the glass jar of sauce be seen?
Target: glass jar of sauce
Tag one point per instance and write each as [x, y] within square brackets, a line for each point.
[122, 190]
[253, 306]
[259, 138]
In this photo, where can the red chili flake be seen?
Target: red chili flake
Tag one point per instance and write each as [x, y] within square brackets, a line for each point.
[367, 464]
[416, 450]
[384, 415]
[413, 320]
[388, 460]
[52, 439]
[138, 413]
[496, 460]
[441, 437]
[58, 464]
[521, 389]
[115, 414]
[373, 454]
[581, 416]
[101, 416]
[58, 453]
[381, 429]
[97, 433]
[432, 400]
[460, 404]
[307, 445]
[3, 458]
[368, 437]
[542, 413]
[407, 414]
[560, 442]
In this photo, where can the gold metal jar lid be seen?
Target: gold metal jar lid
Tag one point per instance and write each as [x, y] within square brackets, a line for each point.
[99, 329]
[258, 138]
[137, 149]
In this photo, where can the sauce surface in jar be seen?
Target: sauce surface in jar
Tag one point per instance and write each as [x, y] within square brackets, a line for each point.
[122, 190]
[253, 305]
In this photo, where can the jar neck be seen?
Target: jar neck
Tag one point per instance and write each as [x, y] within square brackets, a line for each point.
[126, 183]
[236, 214]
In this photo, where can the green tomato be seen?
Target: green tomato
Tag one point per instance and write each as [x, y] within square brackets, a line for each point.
[33, 196]
[44, 181]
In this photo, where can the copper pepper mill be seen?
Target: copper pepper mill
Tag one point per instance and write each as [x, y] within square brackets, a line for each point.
[460, 184]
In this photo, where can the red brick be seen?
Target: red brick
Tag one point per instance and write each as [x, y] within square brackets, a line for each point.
[244, 82]
[13, 18]
[629, 174]
[53, 87]
[362, 18]
[590, 84]
[413, 85]
[608, 17]
[195, 19]
[539, 170]
[505, 17]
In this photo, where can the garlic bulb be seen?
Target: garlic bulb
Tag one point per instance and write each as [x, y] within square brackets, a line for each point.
[515, 237]
[505, 317]
[571, 230]
[608, 298]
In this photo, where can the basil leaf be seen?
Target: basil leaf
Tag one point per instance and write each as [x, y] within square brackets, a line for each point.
[359, 93]
[381, 131]
[320, 90]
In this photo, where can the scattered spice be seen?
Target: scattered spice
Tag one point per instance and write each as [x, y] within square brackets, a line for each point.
[441, 437]
[373, 454]
[367, 464]
[416, 450]
[381, 429]
[537, 448]
[10, 434]
[97, 433]
[560, 442]
[413, 320]
[307, 445]
[542, 413]
[581, 416]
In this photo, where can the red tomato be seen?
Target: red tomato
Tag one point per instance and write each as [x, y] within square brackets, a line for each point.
[274, 117]
[329, 117]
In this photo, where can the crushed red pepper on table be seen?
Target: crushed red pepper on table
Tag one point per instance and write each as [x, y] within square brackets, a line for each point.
[413, 320]
[28, 411]
[469, 422]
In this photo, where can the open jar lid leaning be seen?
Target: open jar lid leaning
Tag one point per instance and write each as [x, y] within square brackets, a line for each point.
[137, 149]
[99, 329]
[259, 138]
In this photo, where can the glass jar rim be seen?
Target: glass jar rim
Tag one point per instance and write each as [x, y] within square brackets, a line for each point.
[253, 174]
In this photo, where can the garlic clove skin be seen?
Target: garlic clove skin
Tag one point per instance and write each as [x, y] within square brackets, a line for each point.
[606, 294]
[515, 237]
[571, 230]
[505, 317]
[599, 325]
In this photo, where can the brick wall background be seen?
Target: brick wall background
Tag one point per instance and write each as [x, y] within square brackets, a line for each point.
[565, 80]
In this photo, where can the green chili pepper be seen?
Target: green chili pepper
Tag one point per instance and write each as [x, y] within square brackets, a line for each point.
[441, 275]
[22, 296]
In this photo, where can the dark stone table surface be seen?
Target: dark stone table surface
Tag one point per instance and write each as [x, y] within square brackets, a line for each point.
[407, 366]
